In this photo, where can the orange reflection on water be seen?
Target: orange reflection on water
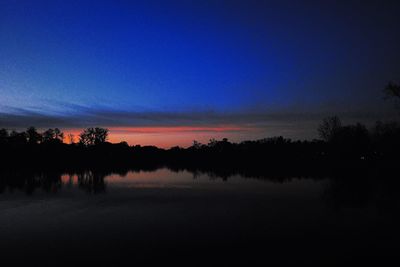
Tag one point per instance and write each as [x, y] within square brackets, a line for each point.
[160, 178]
[68, 179]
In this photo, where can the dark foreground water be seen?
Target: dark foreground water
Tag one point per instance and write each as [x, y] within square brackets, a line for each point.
[170, 217]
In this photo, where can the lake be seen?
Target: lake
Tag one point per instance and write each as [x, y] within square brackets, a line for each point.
[196, 218]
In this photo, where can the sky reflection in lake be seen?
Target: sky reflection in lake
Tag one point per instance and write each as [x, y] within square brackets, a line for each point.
[178, 213]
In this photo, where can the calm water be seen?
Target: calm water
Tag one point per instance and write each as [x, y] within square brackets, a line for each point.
[181, 217]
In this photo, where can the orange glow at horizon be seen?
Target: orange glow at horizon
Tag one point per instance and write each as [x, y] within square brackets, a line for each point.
[166, 137]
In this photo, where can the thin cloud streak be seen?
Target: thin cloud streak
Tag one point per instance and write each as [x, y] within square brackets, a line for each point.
[87, 117]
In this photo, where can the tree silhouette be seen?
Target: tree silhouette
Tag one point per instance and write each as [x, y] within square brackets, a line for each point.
[33, 136]
[93, 136]
[329, 127]
[58, 135]
[53, 135]
[48, 135]
[392, 90]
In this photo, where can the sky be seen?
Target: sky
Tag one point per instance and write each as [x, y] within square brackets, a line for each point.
[170, 72]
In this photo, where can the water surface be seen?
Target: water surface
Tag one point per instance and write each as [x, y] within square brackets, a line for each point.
[196, 218]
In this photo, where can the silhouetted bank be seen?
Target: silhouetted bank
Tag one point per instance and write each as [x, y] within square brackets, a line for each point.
[339, 147]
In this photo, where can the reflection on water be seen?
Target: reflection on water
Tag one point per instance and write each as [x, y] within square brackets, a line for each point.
[336, 191]
[96, 181]
[336, 217]
[354, 189]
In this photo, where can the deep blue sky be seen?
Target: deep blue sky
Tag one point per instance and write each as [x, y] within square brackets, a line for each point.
[185, 63]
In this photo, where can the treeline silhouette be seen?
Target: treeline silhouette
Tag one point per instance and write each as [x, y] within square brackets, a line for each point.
[339, 145]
